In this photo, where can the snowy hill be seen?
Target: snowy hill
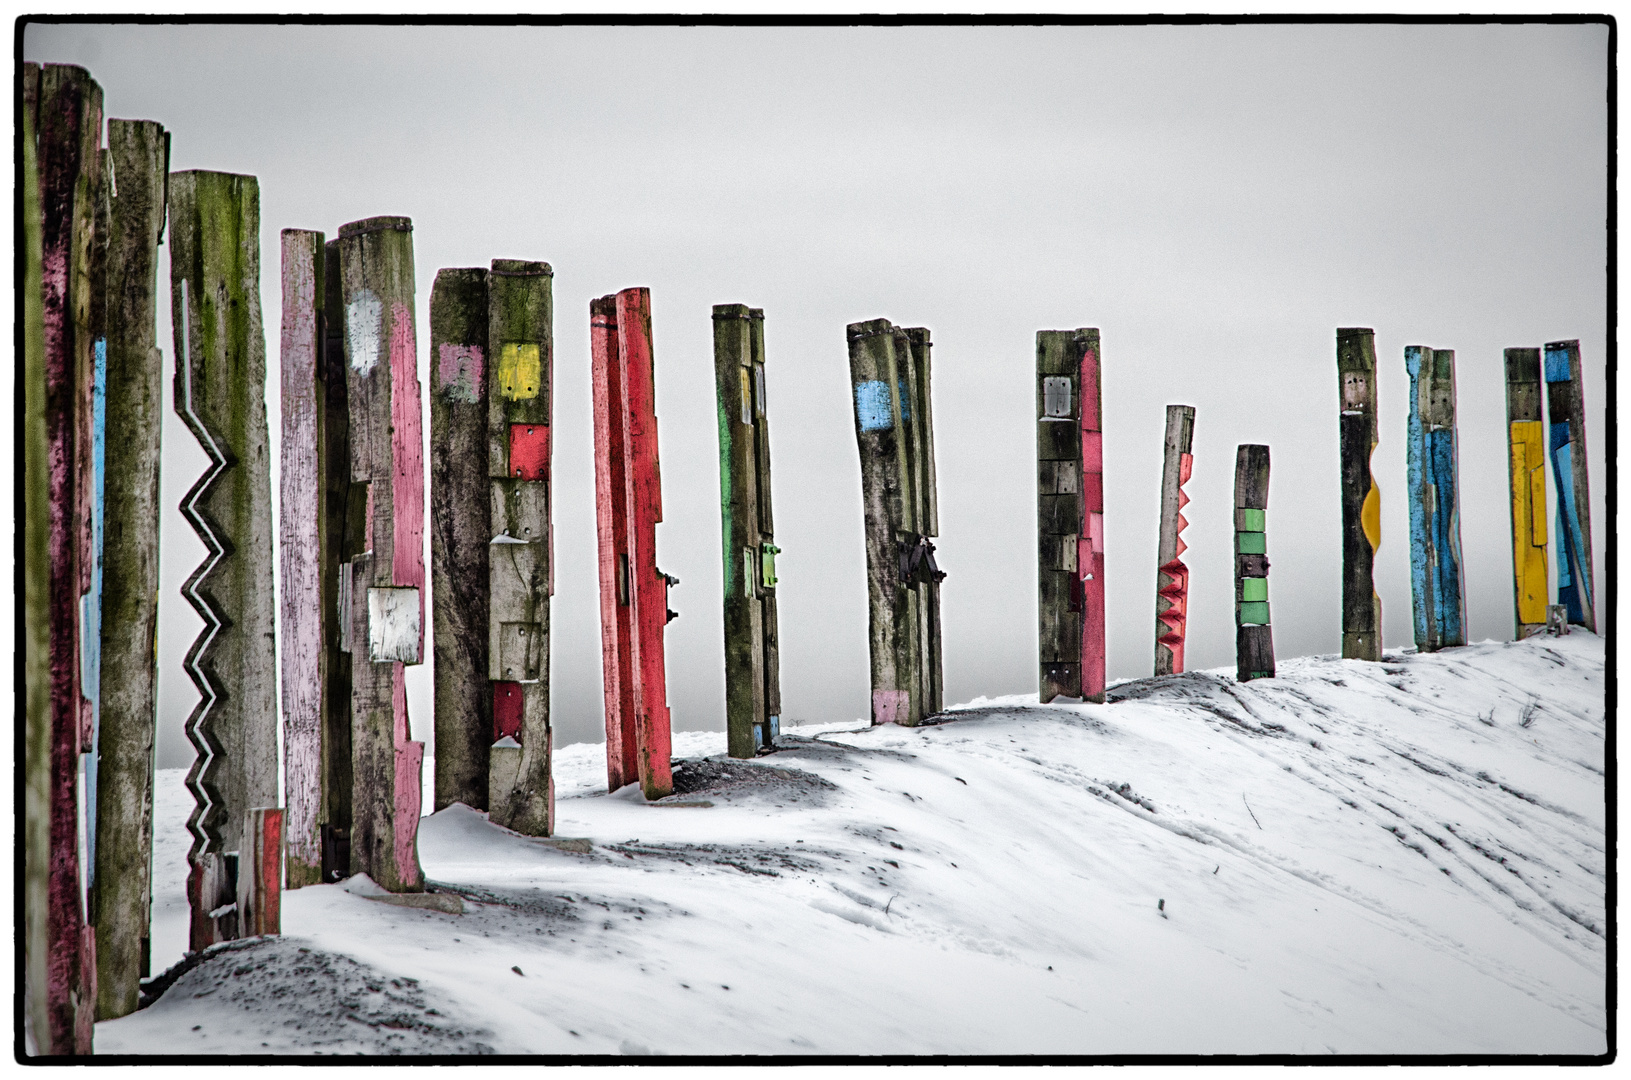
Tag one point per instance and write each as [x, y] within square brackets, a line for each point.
[1405, 857]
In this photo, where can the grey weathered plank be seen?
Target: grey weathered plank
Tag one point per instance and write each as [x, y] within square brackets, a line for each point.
[1171, 575]
[139, 151]
[1059, 516]
[341, 539]
[220, 394]
[1361, 501]
[461, 528]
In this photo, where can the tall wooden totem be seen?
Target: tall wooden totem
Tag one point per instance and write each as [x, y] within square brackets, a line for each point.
[1526, 448]
[521, 576]
[1171, 575]
[122, 899]
[894, 430]
[62, 174]
[382, 587]
[1566, 409]
[1070, 515]
[628, 506]
[1361, 501]
[220, 394]
[752, 659]
[1254, 633]
[1431, 466]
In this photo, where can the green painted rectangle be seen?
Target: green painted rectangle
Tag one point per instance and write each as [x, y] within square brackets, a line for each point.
[1251, 543]
[1254, 614]
[1254, 590]
[1251, 520]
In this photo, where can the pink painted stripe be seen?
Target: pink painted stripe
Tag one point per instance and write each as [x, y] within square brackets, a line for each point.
[410, 760]
[408, 462]
[1090, 557]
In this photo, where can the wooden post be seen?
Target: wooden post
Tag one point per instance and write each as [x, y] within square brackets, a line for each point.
[1070, 515]
[304, 550]
[1526, 452]
[633, 591]
[920, 571]
[90, 611]
[387, 580]
[460, 530]
[220, 394]
[1171, 575]
[520, 320]
[69, 108]
[1566, 406]
[1254, 635]
[1438, 598]
[342, 537]
[259, 873]
[1361, 501]
[139, 151]
[752, 681]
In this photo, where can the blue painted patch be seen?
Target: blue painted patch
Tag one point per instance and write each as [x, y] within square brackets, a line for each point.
[90, 668]
[905, 403]
[1557, 365]
[872, 405]
[1571, 555]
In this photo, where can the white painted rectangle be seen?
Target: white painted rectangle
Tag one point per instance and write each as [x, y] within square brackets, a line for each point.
[393, 625]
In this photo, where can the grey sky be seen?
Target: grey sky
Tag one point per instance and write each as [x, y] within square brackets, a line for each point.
[1217, 200]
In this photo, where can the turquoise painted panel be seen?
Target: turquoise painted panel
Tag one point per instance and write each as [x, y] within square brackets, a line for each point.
[872, 405]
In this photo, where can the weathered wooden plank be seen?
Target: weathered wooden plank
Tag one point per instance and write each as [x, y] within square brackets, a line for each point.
[1566, 407]
[768, 627]
[1254, 635]
[1059, 515]
[341, 538]
[259, 872]
[461, 528]
[612, 529]
[220, 394]
[1438, 601]
[70, 116]
[1526, 453]
[1090, 548]
[1361, 501]
[648, 586]
[139, 152]
[740, 519]
[90, 618]
[917, 423]
[520, 332]
[383, 398]
[300, 544]
[1171, 574]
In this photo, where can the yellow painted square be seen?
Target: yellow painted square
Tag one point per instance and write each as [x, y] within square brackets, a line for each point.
[520, 371]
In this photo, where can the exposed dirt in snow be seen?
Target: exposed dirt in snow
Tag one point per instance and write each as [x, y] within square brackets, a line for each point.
[1405, 857]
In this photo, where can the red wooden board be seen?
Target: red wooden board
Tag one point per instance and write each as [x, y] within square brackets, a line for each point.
[529, 451]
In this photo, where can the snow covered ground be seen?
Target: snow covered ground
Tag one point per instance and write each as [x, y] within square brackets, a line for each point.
[1404, 857]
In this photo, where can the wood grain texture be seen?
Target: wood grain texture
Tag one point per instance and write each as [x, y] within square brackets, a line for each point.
[300, 549]
[1254, 635]
[1566, 409]
[260, 875]
[1438, 600]
[520, 332]
[1090, 546]
[341, 539]
[139, 151]
[1059, 515]
[70, 116]
[1171, 574]
[612, 531]
[383, 399]
[1526, 456]
[220, 394]
[461, 529]
[913, 347]
[1361, 501]
[769, 626]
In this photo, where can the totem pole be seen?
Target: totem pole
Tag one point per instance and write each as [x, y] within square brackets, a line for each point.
[1566, 408]
[1254, 636]
[1361, 501]
[521, 576]
[752, 662]
[460, 535]
[384, 618]
[1070, 515]
[1171, 575]
[628, 506]
[139, 153]
[1526, 448]
[220, 395]
[1439, 599]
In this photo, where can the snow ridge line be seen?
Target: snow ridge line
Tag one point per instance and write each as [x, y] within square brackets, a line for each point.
[204, 822]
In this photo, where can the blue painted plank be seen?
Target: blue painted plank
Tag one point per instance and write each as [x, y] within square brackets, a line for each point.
[90, 621]
[1415, 488]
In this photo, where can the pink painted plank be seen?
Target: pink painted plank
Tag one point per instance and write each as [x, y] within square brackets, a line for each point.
[410, 761]
[889, 706]
[408, 467]
[1090, 558]
[611, 522]
[260, 874]
[298, 546]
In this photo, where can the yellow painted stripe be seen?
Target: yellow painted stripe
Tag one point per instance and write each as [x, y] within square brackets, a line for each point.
[520, 371]
[1528, 482]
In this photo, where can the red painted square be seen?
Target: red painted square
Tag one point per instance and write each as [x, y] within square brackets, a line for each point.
[506, 710]
[1092, 490]
[529, 451]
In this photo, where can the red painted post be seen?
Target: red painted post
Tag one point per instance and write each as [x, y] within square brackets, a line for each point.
[70, 124]
[1090, 548]
[612, 528]
[636, 582]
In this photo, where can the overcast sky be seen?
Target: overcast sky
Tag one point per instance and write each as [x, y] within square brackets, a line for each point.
[1216, 200]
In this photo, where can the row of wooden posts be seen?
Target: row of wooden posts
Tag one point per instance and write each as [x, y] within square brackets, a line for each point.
[351, 540]
[1070, 510]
